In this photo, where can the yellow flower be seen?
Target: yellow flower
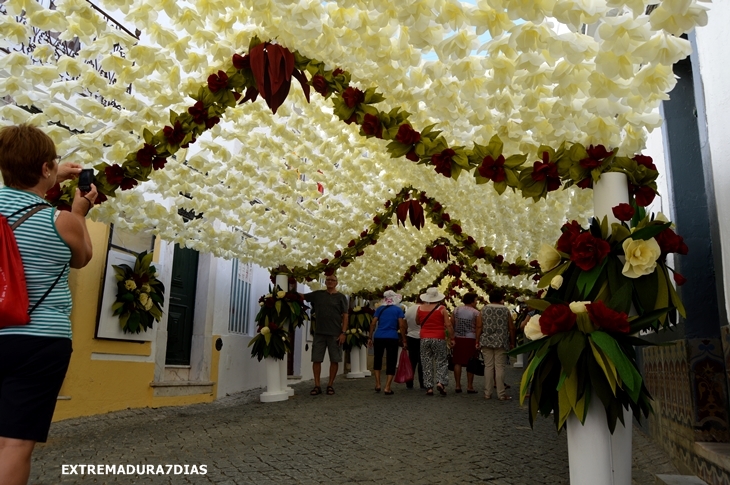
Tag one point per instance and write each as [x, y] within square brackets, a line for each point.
[148, 304]
[265, 331]
[548, 257]
[578, 306]
[144, 298]
[130, 285]
[146, 288]
[281, 294]
[532, 329]
[556, 282]
[641, 257]
[356, 309]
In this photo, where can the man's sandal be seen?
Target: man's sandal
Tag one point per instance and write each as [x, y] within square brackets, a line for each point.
[316, 391]
[330, 390]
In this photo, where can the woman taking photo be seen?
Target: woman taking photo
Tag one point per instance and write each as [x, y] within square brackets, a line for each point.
[34, 357]
[437, 336]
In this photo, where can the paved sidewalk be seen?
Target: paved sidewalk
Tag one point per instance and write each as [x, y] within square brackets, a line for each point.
[355, 436]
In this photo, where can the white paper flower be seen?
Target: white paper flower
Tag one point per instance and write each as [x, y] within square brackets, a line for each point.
[641, 257]
[548, 257]
[556, 282]
[532, 329]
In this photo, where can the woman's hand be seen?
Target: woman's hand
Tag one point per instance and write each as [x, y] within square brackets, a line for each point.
[68, 171]
[370, 342]
[82, 204]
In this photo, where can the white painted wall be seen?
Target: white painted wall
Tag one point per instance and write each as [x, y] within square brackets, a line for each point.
[712, 49]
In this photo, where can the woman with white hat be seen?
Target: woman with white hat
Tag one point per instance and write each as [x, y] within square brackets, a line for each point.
[437, 335]
[388, 318]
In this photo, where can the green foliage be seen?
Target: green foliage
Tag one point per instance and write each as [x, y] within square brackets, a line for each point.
[140, 295]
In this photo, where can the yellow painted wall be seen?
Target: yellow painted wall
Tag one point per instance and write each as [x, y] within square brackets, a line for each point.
[97, 386]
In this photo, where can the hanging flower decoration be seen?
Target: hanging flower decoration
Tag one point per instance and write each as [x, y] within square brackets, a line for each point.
[280, 312]
[582, 341]
[358, 327]
[140, 295]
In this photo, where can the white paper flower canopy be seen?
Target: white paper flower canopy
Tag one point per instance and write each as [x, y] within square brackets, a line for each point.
[533, 72]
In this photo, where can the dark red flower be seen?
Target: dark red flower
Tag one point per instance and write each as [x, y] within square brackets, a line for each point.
[319, 83]
[623, 212]
[440, 253]
[607, 319]
[192, 140]
[159, 163]
[373, 242]
[54, 193]
[325, 261]
[353, 97]
[100, 198]
[199, 112]
[363, 234]
[338, 253]
[352, 119]
[216, 82]
[514, 270]
[128, 183]
[446, 217]
[454, 270]
[146, 155]
[359, 253]
[469, 241]
[534, 263]
[536, 277]
[387, 204]
[377, 220]
[645, 161]
[114, 174]
[241, 62]
[209, 123]
[585, 183]
[372, 126]
[679, 279]
[548, 172]
[498, 259]
[407, 135]
[442, 161]
[423, 260]
[345, 264]
[595, 158]
[480, 253]
[644, 195]
[337, 72]
[456, 229]
[671, 242]
[351, 243]
[557, 318]
[493, 169]
[588, 251]
[175, 135]
[436, 207]
[571, 230]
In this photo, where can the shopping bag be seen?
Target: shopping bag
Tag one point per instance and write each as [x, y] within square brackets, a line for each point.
[475, 366]
[404, 373]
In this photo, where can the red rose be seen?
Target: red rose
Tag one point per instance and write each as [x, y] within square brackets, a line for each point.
[456, 229]
[407, 135]
[114, 174]
[536, 277]
[442, 161]
[436, 207]
[351, 243]
[209, 123]
[480, 252]
[128, 183]
[571, 231]
[159, 163]
[241, 62]
[546, 171]
[353, 97]
[337, 72]
[446, 217]
[623, 212]
[670, 242]
[371, 126]
[585, 183]
[454, 270]
[679, 279]
[608, 319]
[387, 204]
[199, 112]
[557, 318]
[534, 263]
[498, 259]
[174, 135]
[595, 158]
[469, 241]
[363, 234]
[377, 220]
[338, 253]
[645, 161]
[146, 155]
[423, 260]
[440, 253]
[319, 83]
[325, 261]
[514, 270]
[216, 82]
[588, 251]
[493, 169]
[643, 195]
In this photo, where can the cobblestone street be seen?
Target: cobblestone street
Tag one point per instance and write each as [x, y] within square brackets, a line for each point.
[355, 436]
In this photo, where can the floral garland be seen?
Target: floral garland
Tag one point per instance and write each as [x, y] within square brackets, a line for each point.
[582, 343]
[267, 71]
[280, 312]
[140, 295]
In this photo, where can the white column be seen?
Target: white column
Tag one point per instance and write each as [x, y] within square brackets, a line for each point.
[364, 362]
[594, 454]
[273, 382]
[355, 372]
[520, 362]
[283, 379]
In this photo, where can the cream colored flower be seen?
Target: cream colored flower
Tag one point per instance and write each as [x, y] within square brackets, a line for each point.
[357, 309]
[641, 257]
[281, 294]
[578, 306]
[130, 285]
[265, 331]
[532, 329]
[548, 257]
[148, 304]
[144, 298]
[556, 282]
[146, 288]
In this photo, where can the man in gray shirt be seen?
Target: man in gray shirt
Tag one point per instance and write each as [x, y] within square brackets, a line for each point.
[330, 308]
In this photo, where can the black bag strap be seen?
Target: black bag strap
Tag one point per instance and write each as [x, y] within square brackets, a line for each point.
[427, 316]
[34, 208]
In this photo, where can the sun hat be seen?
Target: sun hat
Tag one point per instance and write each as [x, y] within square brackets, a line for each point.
[390, 297]
[432, 295]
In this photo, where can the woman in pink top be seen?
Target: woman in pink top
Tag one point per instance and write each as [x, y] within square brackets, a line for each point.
[437, 335]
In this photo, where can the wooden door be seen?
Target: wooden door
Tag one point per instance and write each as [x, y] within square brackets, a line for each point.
[182, 306]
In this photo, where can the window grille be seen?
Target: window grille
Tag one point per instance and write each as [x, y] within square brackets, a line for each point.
[239, 320]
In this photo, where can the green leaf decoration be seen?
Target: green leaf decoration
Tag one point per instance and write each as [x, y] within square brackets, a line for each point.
[587, 279]
[570, 349]
[625, 368]
[650, 231]
[621, 298]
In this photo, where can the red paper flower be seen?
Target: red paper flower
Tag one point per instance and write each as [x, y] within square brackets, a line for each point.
[546, 171]
[175, 135]
[454, 270]
[445, 217]
[273, 66]
[645, 161]
[128, 183]
[595, 158]
[319, 83]
[325, 261]
[679, 279]
[114, 174]
[556, 318]
[534, 263]
[440, 253]
[407, 135]
[670, 242]
[351, 243]
[514, 270]
[337, 72]
[480, 253]
[371, 126]
[623, 212]
[338, 253]
[456, 229]
[216, 82]
[209, 123]
[353, 97]
[146, 155]
[644, 195]
[436, 207]
[443, 161]
[199, 112]
[588, 251]
[498, 259]
[607, 319]
[241, 62]
[159, 163]
[571, 231]
[493, 169]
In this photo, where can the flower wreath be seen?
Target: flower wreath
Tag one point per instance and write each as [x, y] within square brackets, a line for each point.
[140, 295]
[582, 345]
[280, 311]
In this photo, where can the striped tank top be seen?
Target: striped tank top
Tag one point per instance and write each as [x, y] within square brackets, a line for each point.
[44, 255]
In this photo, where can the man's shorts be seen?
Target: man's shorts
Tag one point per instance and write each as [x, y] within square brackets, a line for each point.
[329, 342]
[31, 373]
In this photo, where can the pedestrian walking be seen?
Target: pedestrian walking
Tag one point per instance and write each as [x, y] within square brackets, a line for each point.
[436, 337]
[413, 345]
[495, 341]
[387, 321]
[467, 323]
